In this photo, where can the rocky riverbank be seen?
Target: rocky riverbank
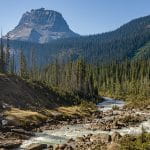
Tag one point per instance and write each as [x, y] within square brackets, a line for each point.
[117, 119]
[75, 132]
[17, 125]
[100, 141]
[11, 137]
[83, 133]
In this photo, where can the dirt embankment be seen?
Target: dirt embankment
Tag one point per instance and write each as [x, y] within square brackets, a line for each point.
[19, 93]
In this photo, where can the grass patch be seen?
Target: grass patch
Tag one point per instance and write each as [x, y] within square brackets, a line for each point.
[69, 111]
[138, 103]
[140, 142]
[22, 117]
[84, 109]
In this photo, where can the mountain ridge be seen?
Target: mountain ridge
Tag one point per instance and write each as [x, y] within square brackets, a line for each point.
[120, 44]
[41, 26]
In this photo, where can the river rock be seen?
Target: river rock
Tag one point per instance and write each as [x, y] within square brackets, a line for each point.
[50, 147]
[35, 146]
[10, 144]
[13, 135]
[148, 107]
[62, 147]
[68, 147]
[6, 106]
[115, 136]
[22, 131]
[113, 146]
[4, 122]
[71, 140]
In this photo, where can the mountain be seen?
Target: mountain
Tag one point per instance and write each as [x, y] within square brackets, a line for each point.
[130, 41]
[41, 26]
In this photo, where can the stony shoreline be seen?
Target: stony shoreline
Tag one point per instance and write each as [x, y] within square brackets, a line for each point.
[12, 137]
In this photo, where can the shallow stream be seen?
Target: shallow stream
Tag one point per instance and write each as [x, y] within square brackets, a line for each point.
[62, 135]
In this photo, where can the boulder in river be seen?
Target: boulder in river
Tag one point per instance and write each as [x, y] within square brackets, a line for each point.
[63, 147]
[4, 122]
[50, 147]
[115, 137]
[22, 131]
[35, 146]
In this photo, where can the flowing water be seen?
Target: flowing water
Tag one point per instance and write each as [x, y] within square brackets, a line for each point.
[60, 136]
[108, 103]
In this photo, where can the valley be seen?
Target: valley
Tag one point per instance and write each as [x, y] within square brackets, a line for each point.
[60, 90]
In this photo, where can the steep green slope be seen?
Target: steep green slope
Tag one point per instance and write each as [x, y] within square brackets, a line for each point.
[143, 52]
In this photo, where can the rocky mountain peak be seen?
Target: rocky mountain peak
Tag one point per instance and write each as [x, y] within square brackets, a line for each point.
[41, 25]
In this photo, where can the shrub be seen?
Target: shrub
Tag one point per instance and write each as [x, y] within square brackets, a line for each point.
[140, 142]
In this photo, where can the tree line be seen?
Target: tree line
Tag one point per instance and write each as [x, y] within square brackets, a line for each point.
[122, 79]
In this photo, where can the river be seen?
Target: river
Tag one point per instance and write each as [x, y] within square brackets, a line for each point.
[62, 135]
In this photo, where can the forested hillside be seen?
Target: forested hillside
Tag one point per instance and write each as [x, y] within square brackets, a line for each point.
[127, 80]
[128, 41]
[114, 63]
[143, 52]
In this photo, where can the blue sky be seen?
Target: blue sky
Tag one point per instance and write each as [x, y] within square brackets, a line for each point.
[83, 16]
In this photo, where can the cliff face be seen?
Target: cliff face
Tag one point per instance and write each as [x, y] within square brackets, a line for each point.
[41, 26]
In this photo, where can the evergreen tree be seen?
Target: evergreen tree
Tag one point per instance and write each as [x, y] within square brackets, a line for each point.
[2, 56]
[7, 58]
[23, 66]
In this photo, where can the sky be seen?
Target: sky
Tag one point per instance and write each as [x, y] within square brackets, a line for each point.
[83, 16]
